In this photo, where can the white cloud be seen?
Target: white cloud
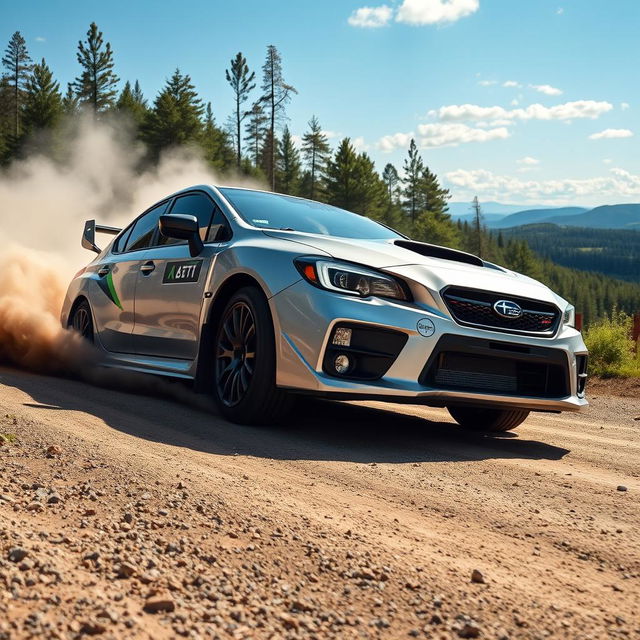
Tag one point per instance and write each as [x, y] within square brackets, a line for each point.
[331, 134]
[40, 39]
[528, 161]
[440, 135]
[619, 184]
[559, 11]
[421, 12]
[487, 83]
[624, 105]
[453, 134]
[547, 89]
[511, 83]
[394, 141]
[371, 17]
[607, 161]
[515, 102]
[566, 111]
[611, 133]
[359, 144]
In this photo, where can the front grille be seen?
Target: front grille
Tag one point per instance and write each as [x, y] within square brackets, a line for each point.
[474, 308]
[473, 364]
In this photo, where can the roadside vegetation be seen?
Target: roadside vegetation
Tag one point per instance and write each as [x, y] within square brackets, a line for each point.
[38, 117]
[612, 353]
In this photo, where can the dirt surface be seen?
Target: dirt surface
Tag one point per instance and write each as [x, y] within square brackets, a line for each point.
[622, 387]
[133, 516]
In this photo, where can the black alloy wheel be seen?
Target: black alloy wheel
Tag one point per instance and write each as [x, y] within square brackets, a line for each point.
[235, 353]
[244, 362]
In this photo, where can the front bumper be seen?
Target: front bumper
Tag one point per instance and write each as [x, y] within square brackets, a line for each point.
[304, 317]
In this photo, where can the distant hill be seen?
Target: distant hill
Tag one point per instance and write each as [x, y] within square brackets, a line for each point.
[615, 216]
[489, 219]
[458, 209]
[612, 252]
[537, 216]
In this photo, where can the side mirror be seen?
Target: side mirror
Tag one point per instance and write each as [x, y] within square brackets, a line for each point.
[182, 227]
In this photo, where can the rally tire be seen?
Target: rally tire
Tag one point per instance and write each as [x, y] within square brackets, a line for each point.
[244, 362]
[81, 320]
[488, 420]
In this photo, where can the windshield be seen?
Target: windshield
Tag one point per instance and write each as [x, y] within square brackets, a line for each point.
[275, 211]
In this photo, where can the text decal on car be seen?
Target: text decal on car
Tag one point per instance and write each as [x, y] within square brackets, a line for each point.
[178, 272]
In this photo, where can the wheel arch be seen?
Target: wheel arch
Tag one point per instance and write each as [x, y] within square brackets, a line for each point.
[80, 298]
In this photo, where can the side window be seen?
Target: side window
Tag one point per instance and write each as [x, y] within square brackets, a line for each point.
[119, 244]
[219, 231]
[142, 232]
[193, 204]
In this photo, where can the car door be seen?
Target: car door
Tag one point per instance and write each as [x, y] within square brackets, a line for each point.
[117, 277]
[171, 284]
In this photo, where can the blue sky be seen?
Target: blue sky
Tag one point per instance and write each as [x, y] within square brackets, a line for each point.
[512, 100]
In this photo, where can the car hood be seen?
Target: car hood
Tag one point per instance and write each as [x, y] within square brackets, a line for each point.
[434, 272]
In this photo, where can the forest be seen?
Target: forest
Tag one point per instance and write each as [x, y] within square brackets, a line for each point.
[612, 252]
[37, 116]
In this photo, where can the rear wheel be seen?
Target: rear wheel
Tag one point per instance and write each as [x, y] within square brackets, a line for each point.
[484, 419]
[244, 371]
[81, 320]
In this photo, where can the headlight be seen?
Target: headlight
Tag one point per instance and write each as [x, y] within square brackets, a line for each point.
[343, 277]
[569, 316]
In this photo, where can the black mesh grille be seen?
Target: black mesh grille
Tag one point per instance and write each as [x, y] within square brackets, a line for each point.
[476, 308]
[474, 364]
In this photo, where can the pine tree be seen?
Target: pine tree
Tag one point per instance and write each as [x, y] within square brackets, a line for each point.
[176, 115]
[96, 84]
[132, 103]
[242, 83]
[215, 143]
[17, 62]
[276, 95]
[43, 101]
[413, 168]
[288, 165]
[431, 196]
[371, 192]
[315, 150]
[70, 103]
[391, 180]
[342, 177]
[255, 131]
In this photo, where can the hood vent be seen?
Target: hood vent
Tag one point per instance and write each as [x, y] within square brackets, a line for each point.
[435, 251]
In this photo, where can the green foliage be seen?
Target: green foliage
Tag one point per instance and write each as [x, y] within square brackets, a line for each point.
[215, 143]
[242, 83]
[17, 63]
[255, 130]
[413, 168]
[132, 104]
[175, 118]
[96, 84]
[276, 94]
[611, 351]
[43, 101]
[288, 165]
[316, 151]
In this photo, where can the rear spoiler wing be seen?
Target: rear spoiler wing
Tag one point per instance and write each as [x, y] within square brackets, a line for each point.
[89, 234]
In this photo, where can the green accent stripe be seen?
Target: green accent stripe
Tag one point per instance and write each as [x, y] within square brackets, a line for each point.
[112, 290]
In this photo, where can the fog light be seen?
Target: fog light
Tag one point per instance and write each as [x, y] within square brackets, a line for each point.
[342, 337]
[341, 364]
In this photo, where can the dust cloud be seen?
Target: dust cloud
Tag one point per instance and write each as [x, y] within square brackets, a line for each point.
[43, 206]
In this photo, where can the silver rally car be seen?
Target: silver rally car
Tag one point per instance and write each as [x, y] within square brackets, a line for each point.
[256, 297]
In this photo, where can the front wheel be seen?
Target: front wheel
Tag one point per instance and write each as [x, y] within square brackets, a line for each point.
[244, 371]
[492, 420]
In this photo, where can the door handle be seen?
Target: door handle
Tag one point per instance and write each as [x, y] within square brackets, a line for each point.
[147, 267]
[102, 271]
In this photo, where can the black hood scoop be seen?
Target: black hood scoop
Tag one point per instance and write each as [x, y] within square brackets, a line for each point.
[435, 251]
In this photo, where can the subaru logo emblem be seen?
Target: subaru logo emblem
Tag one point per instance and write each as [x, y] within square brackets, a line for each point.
[507, 309]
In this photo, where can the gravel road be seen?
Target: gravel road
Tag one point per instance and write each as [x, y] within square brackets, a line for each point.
[147, 516]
